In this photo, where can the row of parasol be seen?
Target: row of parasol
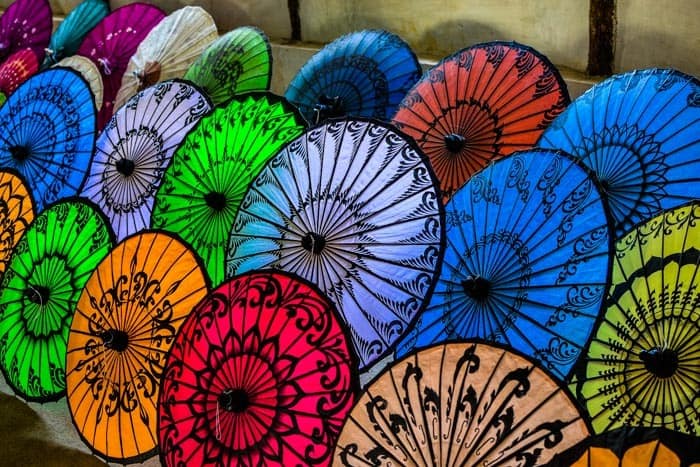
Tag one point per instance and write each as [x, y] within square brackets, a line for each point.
[205, 275]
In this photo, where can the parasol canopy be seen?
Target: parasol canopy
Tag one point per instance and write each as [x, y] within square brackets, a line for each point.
[365, 73]
[203, 187]
[16, 213]
[479, 104]
[49, 133]
[168, 50]
[25, 24]
[639, 132]
[259, 374]
[88, 70]
[237, 62]
[353, 207]
[71, 31]
[48, 269]
[125, 321]
[526, 262]
[460, 403]
[17, 69]
[111, 44]
[643, 363]
[135, 148]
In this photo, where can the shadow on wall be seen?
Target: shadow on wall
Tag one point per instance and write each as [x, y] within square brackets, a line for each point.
[25, 442]
[667, 52]
[448, 37]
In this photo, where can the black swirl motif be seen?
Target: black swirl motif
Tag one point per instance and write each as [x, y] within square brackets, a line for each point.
[547, 184]
[525, 61]
[495, 54]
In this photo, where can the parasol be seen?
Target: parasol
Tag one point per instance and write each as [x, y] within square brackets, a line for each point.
[460, 404]
[365, 73]
[111, 44]
[70, 32]
[353, 207]
[633, 447]
[89, 72]
[135, 148]
[260, 374]
[16, 213]
[49, 133]
[50, 264]
[526, 262]
[124, 324]
[25, 24]
[639, 132]
[643, 363]
[168, 50]
[480, 104]
[239, 61]
[17, 69]
[205, 183]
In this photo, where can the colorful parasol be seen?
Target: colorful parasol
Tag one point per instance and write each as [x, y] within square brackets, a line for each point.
[239, 61]
[526, 263]
[353, 207]
[643, 364]
[49, 133]
[71, 31]
[460, 404]
[365, 73]
[111, 44]
[480, 104]
[260, 374]
[168, 50]
[48, 269]
[17, 69]
[25, 24]
[125, 322]
[205, 183]
[89, 72]
[135, 148]
[16, 213]
[639, 132]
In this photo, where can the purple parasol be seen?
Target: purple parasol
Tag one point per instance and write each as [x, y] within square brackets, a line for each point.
[25, 24]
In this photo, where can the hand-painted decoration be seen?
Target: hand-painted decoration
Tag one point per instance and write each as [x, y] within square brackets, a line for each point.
[526, 261]
[135, 148]
[363, 74]
[643, 364]
[49, 133]
[124, 324]
[460, 404]
[25, 24]
[168, 50]
[633, 447]
[480, 104]
[259, 374]
[17, 69]
[239, 61]
[639, 132]
[71, 31]
[210, 172]
[111, 44]
[16, 213]
[48, 269]
[353, 207]
[90, 73]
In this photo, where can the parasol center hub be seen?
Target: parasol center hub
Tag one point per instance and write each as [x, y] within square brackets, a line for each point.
[149, 76]
[215, 200]
[476, 288]
[662, 363]
[455, 142]
[328, 107]
[234, 400]
[313, 243]
[19, 152]
[125, 166]
[38, 294]
[115, 339]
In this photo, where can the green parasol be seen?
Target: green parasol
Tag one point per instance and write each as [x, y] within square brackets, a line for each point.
[210, 172]
[39, 291]
[239, 61]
